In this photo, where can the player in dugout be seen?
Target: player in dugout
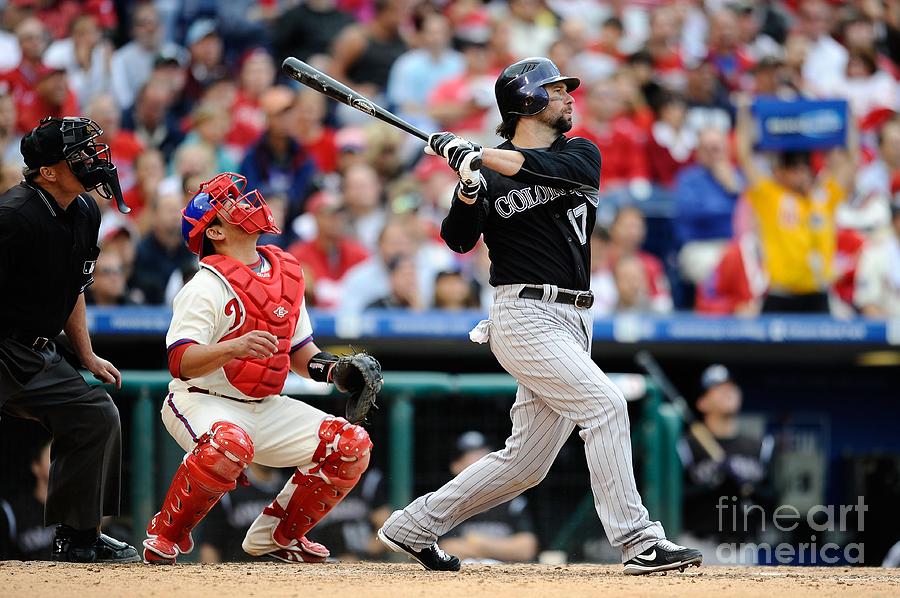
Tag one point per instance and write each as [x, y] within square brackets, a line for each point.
[238, 327]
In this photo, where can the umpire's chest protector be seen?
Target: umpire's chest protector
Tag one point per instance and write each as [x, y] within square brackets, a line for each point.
[269, 303]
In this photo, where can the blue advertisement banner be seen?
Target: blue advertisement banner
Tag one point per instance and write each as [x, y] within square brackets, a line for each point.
[800, 125]
[623, 328]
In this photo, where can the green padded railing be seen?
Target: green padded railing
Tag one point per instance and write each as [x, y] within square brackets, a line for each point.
[655, 436]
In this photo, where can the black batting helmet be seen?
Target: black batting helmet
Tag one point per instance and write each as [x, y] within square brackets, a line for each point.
[520, 87]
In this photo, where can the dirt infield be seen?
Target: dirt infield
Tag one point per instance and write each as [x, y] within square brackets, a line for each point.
[385, 580]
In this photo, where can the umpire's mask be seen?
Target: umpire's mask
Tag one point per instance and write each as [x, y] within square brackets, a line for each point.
[72, 139]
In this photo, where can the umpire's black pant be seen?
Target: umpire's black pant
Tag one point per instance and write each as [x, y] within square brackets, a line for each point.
[86, 453]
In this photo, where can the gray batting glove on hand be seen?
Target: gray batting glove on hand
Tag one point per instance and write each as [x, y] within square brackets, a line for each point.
[439, 144]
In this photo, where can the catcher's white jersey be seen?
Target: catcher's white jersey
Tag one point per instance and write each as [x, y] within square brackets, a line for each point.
[205, 311]
[283, 430]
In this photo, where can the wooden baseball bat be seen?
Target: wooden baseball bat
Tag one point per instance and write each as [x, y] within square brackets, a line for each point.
[696, 428]
[319, 81]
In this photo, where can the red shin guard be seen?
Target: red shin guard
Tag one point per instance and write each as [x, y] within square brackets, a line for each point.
[207, 472]
[340, 459]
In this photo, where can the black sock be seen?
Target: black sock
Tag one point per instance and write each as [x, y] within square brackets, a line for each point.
[78, 537]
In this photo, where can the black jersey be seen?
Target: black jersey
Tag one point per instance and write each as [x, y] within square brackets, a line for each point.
[47, 255]
[741, 477]
[537, 224]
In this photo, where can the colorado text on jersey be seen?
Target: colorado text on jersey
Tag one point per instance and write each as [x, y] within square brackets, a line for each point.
[519, 200]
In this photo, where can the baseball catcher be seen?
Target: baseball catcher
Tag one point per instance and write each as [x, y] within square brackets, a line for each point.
[238, 327]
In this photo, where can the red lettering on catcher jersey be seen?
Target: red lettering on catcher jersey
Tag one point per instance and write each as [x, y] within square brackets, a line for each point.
[233, 308]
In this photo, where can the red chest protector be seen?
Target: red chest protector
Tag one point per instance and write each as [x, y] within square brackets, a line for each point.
[271, 304]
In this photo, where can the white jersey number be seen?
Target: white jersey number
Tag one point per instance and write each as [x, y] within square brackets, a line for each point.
[578, 218]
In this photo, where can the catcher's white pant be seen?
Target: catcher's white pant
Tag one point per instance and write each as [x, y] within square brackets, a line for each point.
[285, 433]
[546, 347]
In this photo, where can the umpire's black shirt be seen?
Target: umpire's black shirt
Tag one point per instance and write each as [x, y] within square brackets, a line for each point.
[47, 258]
[537, 224]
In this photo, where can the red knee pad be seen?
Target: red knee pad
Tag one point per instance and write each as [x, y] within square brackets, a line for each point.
[340, 460]
[343, 452]
[222, 453]
[207, 472]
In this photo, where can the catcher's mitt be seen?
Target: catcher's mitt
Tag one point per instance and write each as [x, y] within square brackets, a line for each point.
[360, 375]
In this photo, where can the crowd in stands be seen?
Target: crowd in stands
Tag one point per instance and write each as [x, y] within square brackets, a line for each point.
[691, 218]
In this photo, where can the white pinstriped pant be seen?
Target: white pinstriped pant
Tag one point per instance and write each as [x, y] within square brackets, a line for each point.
[546, 347]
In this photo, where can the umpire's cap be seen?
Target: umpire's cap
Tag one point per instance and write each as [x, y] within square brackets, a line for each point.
[520, 87]
[44, 144]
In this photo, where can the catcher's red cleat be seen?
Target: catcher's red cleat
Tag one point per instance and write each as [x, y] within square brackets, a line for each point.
[306, 551]
[159, 551]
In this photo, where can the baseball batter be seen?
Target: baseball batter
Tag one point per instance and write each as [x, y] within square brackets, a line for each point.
[535, 201]
[237, 328]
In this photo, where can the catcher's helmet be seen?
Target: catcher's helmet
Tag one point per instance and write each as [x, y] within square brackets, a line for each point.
[520, 87]
[223, 196]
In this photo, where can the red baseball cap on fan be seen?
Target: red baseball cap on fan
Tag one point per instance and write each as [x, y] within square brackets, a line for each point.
[46, 70]
[323, 200]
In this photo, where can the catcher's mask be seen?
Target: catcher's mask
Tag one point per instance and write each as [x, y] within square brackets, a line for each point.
[223, 197]
[72, 139]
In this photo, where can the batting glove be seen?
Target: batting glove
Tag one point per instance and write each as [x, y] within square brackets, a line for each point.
[468, 192]
[439, 144]
[466, 164]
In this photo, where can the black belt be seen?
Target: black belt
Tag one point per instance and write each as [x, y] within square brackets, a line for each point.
[582, 299]
[220, 395]
[38, 343]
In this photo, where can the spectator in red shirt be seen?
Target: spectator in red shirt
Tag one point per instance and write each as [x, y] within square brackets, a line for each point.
[124, 145]
[464, 104]
[627, 235]
[637, 109]
[248, 120]
[331, 252]
[662, 45]
[739, 283]
[621, 143]
[499, 45]
[609, 38]
[311, 132]
[51, 97]
[846, 259]
[33, 40]
[726, 52]
[58, 15]
[10, 142]
[671, 143]
[149, 171]
[599, 58]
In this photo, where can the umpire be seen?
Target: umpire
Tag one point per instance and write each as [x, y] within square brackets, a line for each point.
[48, 248]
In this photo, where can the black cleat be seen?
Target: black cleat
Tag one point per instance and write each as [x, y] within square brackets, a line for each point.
[432, 558]
[664, 556]
[103, 550]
